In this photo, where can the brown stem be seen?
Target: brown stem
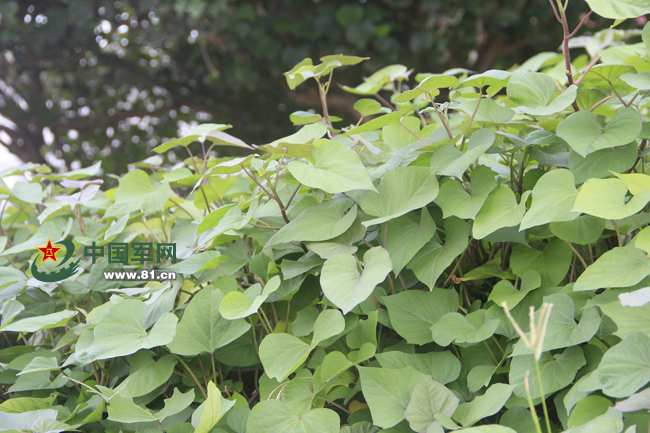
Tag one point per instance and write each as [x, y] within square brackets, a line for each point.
[401, 280]
[584, 19]
[292, 196]
[413, 134]
[392, 285]
[577, 254]
[383, 101]
[601, 102]
[587, 69]
[323, 102]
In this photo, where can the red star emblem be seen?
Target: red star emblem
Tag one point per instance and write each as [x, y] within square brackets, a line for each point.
[49, 252]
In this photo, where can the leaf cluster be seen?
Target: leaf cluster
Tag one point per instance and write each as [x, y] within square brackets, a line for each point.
[376, 276]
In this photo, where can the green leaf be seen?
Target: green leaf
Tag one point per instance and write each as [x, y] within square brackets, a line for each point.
[504, 291]
[435, 82]
[28, 192]
[557, 371]
[636, 182]
[237, 305]
[282, 354]
[401, 191]
[388, 392]
[26, 404]
[413, 312]
[306, 135]
[199, 262]
[560, 103]
[625, 368]
[376, 123]
[587, 409]
[406, 235]
[627, 319]
[328, 324]
[552, 262]
[619, 267]
[198, 133]
[121, 331]
[485, 405]
[367, 107]
[39, 323]
[562, 330]
[638, 81]
[136, 192]
[492, 77]
[443, 367]
[176, 403]
[214, 218]
[177, 174]
[641, 240]
[333, 364]
[409, 95]
[146, 374]
[455, 201]
[619, 9]
[345, 286]
[272, 416]
[449, 161]
[601, 163]
[202, 328]
[321, 222]
[17, 422]
[554, 195]
[434, 258]
[488, 110]
[605, 198]
[500, 210]
[336, 169]
[342, 244]
[611, 421]
[299, 118]
[454, 327]
[585, 229]
[220, 138]
[211, 410]
[488, 270]
[532, 89]
[40, 364]
[493, 428]
[123, 410]
[585, 135]
[428, 399]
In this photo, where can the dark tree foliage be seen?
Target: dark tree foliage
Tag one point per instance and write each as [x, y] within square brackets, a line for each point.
[110, 80]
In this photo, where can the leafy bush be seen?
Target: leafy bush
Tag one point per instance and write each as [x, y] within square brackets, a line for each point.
[471, 254]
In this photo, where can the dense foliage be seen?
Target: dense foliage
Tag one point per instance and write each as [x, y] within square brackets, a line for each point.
[111, 80]
[469, 254]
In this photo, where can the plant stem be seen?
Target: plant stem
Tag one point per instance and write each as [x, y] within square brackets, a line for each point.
[323, 102]
[205, 377]
[541, 391]
[214, 373]
[618, 234]
[533, 413]
[286, 321]
[577, 254]
[187, 367]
